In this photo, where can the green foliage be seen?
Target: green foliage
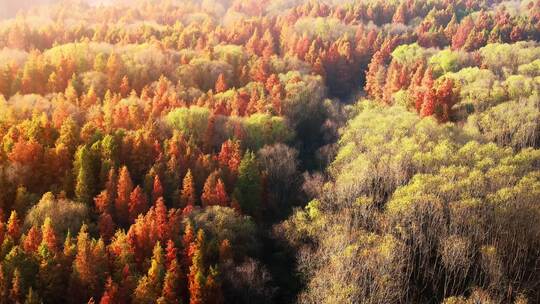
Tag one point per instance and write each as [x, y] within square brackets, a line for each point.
[473, 197]
[221, 223]
[506, 58]
[258, 129]
[263, 129]
[191, 122]
[248, 191]
[409, 54]
[84, 169]
[518, 130]
[380, 151]
[430, 192]
[328, 29]
[521, 86]
[447, 61]
[530, 69]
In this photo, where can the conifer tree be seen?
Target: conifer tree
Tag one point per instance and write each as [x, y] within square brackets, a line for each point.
[48, 235]
[157, 189]
[171, 284]
[124, 189]
[32, 297]
[86, 182]
[188, 190]
[138, 203]
[16, 291]
[150, 286]
[110, 295]
[248, 190]
[14, 226]
[156, 273]
[32, 240]
[196, 278]
[221, 84]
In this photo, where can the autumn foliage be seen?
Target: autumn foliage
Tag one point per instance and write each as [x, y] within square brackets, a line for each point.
[198, 151]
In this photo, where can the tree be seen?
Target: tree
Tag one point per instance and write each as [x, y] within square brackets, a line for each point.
[124, 189]
[48, 236]
[156, 273]
[214, 192]
[429, 103]
[196, 278]
[32, 240]
[187, 239]
[66, 215]
[424, 94]
[150, 286]
[143, 293]
[14, 226]
[230, 156]
[90, 98]
[280, 166]
[400, 16]
[16, 291]
[248, 189]
[110, 295]
[85, 172]
[69, 134]
[213, 292]
[225, 251]
[221, 84]
[221, 196]
[188, 190]
[106, 226]
[32, 297]
[103, 202]
[462, 33]
[161, 219]
[115, 72]
[138, 203]
[157, 189]
[89, 267]
[124, 87]
[171, 285]
[376, 75]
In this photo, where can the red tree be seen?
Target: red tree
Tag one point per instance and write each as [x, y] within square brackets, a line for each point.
[32, 240]
[462, 33]
[103, 202]
[171, 283]
[208, 197]
[48, 236]
[138, 204]
[157, 189]
[221, 84]
[188, 190]
[110, 295]
[124, 189]
[447, 98]
[106, 226]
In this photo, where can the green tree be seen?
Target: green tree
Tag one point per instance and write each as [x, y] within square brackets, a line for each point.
[85, 187]
[248, 191]
[149, 287]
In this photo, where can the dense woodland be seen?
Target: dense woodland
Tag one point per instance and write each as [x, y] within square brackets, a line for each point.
[270, 151]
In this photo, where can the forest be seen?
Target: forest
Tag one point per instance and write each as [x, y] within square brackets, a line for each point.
[270, 151]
